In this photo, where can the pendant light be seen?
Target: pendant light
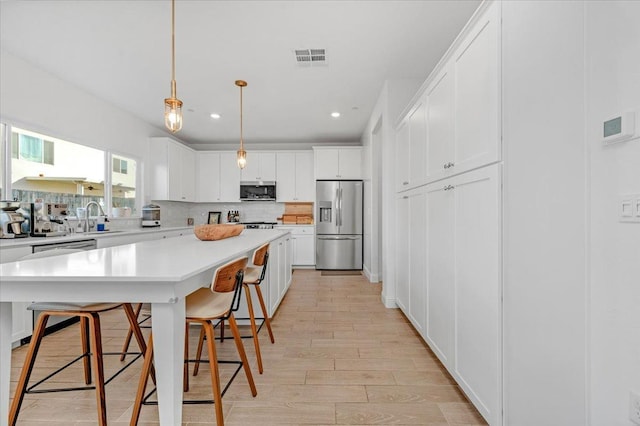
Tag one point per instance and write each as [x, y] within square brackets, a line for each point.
[173, 105]
[242, 154]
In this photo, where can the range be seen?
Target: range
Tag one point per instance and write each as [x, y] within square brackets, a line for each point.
[258, 225]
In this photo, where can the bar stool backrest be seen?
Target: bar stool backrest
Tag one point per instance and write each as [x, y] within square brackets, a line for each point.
[228, 278]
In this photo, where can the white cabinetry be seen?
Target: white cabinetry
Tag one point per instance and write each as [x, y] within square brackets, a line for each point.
[410, 152]
[454, 124]
[338, 163]
[21, 317]
[218, 177]
[171, 170]
[260, 166]
[411, 256]
[278, 271]
[118, 240]
[302, 244]
[295, 176]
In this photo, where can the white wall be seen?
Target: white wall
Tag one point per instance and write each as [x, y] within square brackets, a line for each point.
[378, 140]
[35, 100]
[545, 206]
[613, 86]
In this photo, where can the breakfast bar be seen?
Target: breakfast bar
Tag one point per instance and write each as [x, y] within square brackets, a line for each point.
[160, 272]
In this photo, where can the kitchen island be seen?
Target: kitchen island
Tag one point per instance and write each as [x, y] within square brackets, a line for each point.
[161, 272]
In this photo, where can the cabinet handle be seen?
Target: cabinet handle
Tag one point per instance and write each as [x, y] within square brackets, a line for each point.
[405, 183]
[448, 187]
[405, 197]
[449, 165]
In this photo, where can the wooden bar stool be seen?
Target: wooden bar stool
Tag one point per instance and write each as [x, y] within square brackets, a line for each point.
[204, 306]
[89, 329]
[253, 276]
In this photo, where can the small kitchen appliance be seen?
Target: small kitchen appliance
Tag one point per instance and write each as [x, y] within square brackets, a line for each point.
[150, 215]
[258, 191]
[11, 221]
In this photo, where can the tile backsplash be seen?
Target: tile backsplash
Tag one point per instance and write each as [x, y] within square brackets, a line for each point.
[175, 213]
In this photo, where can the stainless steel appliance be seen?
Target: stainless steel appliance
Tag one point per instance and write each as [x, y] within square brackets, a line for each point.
[339, 224]
[58, 322]
[258, 225]
[150, 215]
[257, 191]
[11, 220]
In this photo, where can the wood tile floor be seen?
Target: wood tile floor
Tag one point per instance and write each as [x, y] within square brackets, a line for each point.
[340, 357]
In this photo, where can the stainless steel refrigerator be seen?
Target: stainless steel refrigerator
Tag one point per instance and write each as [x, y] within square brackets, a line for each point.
[339, 224]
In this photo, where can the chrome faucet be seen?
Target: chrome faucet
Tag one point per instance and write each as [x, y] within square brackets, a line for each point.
[86, 209]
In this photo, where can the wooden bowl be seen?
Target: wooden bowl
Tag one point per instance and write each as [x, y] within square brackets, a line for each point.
[217, 232]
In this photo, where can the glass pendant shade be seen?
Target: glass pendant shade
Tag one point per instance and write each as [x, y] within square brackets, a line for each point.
[173, 114]
[242, 158]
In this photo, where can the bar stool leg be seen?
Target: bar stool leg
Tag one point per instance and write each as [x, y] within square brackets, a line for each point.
[142, 384]
[243, 355]
[127, 340]
[199, 351]
[86, 349]
[185, 368]
[27, 368]
[215, 373]
[96, 337]
[254, 330]
[264, 313]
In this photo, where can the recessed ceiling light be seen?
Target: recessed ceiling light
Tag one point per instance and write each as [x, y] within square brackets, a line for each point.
[335, 114]
[215, 116]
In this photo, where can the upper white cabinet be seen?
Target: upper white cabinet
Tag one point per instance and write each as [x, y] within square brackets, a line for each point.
[477, 94]
[171, 170]
[338, 163]
[260, 166]
[453, 125]
[410, 152]
[294, 176]
[218, 177]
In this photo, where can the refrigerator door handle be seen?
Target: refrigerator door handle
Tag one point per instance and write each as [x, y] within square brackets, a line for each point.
[340, 198]
[338, 238]
[337, 203]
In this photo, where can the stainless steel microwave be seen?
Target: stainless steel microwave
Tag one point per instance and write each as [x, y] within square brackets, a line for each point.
[257, 191]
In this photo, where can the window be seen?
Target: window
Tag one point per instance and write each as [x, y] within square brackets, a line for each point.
[119, 165]
[123, 182]
[31, 148]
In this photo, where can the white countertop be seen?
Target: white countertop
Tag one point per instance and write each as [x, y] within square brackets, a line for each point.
[35, 241]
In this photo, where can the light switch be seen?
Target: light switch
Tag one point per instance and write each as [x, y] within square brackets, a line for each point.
[629, 208]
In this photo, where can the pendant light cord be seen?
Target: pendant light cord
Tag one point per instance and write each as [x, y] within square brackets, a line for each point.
[241, 138]
[173, 49]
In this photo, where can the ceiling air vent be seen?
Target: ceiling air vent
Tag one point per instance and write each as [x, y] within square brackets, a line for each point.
[309, 57]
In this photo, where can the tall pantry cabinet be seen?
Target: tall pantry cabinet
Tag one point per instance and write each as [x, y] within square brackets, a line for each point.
[448, 182]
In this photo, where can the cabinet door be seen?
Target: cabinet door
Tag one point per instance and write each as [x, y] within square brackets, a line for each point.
[326, 163]
[273, 274]
[305, 185]
[402, 253]
[440, 270]
[286, 176]
[478, 289]
[417, 143]
[417, 244]
[350, 163]
[208, 178]
[188, 175]
[21, 317]
[260, 166]
[440, 138]
[174, 161]
[303, 250]
[477, 95]
[402, 156]
[229, 178]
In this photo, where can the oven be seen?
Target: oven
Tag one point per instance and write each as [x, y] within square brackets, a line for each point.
[55, 322]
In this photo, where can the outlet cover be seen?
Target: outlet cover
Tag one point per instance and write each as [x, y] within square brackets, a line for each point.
[634, 407]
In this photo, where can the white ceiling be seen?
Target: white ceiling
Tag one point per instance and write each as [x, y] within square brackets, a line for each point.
[121, 51]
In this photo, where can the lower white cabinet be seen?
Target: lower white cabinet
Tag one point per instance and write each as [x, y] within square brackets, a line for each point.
[21, 317]
[410, 279]
[302, 244]
[448, 279]
[278, 271]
